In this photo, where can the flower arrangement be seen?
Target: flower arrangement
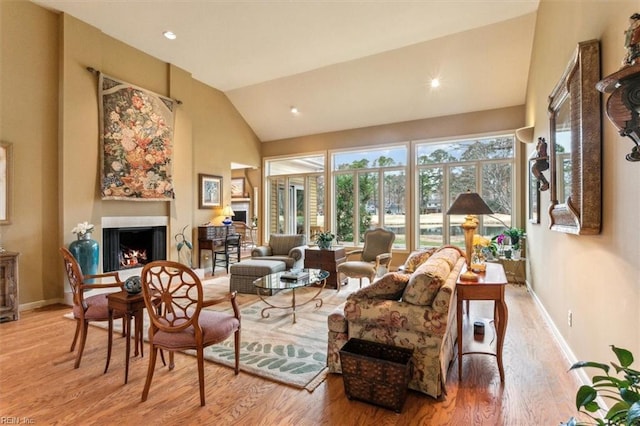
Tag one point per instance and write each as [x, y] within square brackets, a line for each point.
[514, 235]
[479, 242]
[478, 256]
[83, 228]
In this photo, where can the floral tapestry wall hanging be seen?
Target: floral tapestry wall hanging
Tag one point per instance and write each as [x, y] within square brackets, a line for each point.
[136, 132]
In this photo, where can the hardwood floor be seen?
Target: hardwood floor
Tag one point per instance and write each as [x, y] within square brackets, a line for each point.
[38, 383]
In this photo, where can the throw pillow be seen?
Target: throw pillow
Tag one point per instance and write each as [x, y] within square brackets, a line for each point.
[426, 281]
[416, 259]
[449, 254]
[390, 287]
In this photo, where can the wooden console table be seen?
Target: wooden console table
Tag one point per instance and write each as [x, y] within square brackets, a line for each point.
[327, 260]
[9, 302]
[210, 237]
[490, 286]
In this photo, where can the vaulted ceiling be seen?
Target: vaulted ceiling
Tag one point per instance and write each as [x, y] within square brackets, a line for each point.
[342, 64]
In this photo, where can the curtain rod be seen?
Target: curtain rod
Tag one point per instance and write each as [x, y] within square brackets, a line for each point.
[96, 72]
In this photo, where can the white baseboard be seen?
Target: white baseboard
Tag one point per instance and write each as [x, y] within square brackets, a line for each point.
[564, 347]
[570, 357]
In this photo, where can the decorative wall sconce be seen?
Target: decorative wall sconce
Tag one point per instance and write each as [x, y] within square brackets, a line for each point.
[623, 106]
[525, 134]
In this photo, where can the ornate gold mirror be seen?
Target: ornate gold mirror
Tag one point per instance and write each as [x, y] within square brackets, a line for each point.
[575, 145]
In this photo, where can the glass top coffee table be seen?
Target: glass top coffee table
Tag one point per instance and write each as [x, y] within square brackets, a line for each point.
[279, 281]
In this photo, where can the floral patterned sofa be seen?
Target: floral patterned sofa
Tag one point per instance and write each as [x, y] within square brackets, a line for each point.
[414, 309]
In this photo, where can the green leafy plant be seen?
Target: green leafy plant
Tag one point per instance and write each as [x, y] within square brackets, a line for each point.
[624, 391]
[184, 255]
[514, 235]
[325, 237]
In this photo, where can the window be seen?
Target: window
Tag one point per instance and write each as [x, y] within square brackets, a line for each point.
[446, 169]
[294, 195]
[371, 187]
[370, 190]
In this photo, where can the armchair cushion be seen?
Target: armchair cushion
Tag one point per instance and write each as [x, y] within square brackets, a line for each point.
[282, 244]
[287, 248]
[261, 251]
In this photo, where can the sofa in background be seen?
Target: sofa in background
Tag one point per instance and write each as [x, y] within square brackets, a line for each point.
[287, 248]
[414, 309]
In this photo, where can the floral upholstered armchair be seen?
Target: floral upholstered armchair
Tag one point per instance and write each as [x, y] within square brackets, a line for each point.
[287, 248]
[414, 310]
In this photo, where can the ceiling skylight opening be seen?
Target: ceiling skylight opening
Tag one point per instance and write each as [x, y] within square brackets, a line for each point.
[169, 35]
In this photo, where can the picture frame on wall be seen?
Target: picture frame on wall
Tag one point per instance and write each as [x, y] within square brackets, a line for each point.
[534, 196]
[5, 183]
[237, 187]
[209, 191]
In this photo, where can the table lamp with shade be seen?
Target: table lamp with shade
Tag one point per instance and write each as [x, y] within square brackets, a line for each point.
[469, 204]
[227, 212]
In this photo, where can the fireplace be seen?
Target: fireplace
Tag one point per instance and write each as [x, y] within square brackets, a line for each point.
[241, 211]
[131, 242]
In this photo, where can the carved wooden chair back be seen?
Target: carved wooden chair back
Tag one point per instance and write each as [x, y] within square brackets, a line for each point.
[91, 308]
[174, 298]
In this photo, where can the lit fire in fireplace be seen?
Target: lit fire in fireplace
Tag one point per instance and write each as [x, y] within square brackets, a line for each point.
[130, 257]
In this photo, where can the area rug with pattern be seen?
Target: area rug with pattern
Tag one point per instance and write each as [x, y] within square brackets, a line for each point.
[274, 347]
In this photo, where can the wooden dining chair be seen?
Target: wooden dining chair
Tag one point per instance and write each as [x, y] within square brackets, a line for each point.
[228, 253]
[91, 308]
[174, 299]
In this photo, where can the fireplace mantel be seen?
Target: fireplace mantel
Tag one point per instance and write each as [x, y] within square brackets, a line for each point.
[134, 221]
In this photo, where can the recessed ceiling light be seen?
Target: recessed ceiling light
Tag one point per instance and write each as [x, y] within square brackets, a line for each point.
[295, 110]
[170, 35]
[435, 82]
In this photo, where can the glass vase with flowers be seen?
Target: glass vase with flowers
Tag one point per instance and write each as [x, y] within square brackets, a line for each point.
[85, 249]
[478, 258]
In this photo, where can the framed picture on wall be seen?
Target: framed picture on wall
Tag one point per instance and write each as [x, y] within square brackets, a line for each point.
[5, 183]
[209, 191]
[237, 187]
[534, 196]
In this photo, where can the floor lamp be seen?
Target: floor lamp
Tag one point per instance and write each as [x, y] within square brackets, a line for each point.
[469, 204]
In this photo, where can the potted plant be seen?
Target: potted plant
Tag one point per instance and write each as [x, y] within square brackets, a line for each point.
[324, 239]
[624, 391]
[514, 234]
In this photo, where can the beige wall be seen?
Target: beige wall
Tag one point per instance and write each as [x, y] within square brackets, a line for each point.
[596, 277]
[50, 114]
[29, 120]
[503, 119]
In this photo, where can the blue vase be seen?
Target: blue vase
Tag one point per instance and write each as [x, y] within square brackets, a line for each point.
[86, 251]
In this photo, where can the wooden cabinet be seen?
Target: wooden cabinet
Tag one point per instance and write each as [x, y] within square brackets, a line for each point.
[9, 302]
[327, 260]
[210, 237]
